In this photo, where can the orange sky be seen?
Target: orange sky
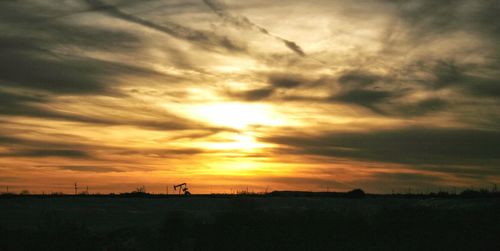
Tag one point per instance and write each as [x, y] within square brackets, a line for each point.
[225, 95]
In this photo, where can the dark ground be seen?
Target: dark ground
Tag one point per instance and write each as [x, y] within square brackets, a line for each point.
[248, 223]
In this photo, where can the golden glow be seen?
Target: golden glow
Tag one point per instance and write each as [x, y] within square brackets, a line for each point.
[238, 115]
[226, 97]
[237, 142]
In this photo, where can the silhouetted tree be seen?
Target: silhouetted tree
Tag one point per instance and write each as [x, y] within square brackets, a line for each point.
[356, 193]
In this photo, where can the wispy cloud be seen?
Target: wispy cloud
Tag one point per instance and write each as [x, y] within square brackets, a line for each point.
[404, 91]
[422, 146]
[94, 169]
[243, 22]
[169, 28]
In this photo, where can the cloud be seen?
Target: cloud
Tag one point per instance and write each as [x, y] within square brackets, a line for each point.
[19, 142]
[358, 79]
[50, 56]
[254, 95]
[412, 146]
[422, 107]
[286, 81]
[275, 83]
[430, 18]
[94, 169]
[366, 98]
[27, 67]
[453, 47]
[405, 177]
[162, 153]
[167, 27]
[449, 74]
[358, 87]
[301, 181]
[244, 23]
[293, 46]
[41, 153]
[17, 104]
[402, 182]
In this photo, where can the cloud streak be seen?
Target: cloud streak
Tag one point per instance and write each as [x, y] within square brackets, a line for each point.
[169, 28]
[243, 22]
[413, 146]
[92, 169]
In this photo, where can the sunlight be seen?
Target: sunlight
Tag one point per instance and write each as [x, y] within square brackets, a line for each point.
[239, 142]
[238, 115]
[236, 166]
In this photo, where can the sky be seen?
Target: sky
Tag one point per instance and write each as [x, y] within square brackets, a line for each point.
[260, 95]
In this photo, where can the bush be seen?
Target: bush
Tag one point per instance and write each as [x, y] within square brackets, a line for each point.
[356, 193]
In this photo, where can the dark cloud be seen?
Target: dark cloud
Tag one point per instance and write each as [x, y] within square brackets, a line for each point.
[167, 27]
[40, 153]
[94, 169]
[427, 23]
[446, 73]
[254, 95]
[161, 153]
[276, 82]
[17, 104]
[429, 18]
[401, 182]
[70, 76]
[293, 46]
[48, 56]
[405, 178]
[470, 172]
[244, 23]
[362, 97]
[358, 87]
[413, 146]
[18, 142]
[357, 79]
[390, 95]
[9, 99]
[471, 80]
[240, 21]
[34, 148]
[286, 81]
[384, 95]
[422, 107]
[301, 181]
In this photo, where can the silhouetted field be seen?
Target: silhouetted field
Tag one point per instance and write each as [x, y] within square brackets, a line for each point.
[279, 221]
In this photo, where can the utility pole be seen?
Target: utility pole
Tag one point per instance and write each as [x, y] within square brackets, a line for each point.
[76, 188]
[87, 191]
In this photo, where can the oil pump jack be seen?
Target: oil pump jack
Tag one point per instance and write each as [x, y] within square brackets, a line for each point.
[182, 188]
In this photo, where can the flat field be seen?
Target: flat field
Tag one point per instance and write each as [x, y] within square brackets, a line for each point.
[248, 223]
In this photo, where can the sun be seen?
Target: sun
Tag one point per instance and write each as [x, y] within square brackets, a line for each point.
[238, 115]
